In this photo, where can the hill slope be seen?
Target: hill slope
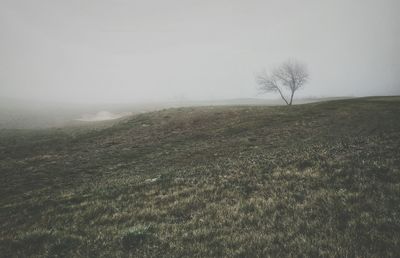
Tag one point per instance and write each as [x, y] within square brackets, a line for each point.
[319, 179]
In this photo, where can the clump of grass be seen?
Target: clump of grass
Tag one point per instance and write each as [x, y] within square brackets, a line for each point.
[39, 242]
[135, 236]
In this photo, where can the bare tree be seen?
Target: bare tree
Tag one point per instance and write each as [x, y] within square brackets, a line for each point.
[288, 77]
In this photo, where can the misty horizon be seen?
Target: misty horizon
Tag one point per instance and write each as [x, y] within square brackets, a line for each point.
[122, 51]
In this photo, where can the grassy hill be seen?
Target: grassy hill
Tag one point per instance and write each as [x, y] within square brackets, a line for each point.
[24, 114]
[320, 179]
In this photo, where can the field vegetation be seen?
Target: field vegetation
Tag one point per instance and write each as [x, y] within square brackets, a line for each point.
[319, 179]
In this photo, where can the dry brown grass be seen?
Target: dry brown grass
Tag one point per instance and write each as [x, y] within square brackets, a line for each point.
[320, 179]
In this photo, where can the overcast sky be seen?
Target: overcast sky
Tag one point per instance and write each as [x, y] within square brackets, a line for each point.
[150, 50]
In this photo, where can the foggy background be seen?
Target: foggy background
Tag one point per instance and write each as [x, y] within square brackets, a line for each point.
[120, 51]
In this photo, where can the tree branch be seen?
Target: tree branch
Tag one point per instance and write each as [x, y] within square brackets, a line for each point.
[289, 76]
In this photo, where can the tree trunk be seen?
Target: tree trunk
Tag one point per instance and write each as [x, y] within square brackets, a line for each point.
[280, 92]
[291, 98]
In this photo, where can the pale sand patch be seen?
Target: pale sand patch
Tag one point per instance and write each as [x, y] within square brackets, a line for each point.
[102, 116]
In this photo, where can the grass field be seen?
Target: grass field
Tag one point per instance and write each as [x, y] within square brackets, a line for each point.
[320, 179]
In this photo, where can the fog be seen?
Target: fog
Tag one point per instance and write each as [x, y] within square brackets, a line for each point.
[81, 51]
